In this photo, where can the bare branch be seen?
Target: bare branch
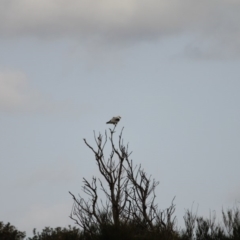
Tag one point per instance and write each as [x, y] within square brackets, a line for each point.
[129, 192]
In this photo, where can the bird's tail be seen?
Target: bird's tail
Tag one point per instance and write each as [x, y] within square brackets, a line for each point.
[108, 122]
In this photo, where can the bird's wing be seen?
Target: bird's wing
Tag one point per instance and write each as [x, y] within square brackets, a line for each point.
[115, 119]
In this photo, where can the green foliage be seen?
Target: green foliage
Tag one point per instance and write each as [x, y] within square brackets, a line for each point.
[196, 228]
[9, 232]
[231, 220]
[57, 233]
[131, 231]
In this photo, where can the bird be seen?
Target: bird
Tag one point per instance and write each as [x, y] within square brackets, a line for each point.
[114, 120]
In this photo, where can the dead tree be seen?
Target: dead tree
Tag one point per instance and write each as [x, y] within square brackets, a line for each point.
[143, 208]
[130, 194]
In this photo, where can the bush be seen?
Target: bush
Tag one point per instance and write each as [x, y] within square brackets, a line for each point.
[9, 232]
[58, 233]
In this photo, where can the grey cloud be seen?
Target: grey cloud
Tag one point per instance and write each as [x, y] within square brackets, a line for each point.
[41, 215]
[233, 195]
[215, 23]
[18, 96]
[109, 19]
[58, 171]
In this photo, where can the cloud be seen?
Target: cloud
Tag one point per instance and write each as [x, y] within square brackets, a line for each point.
[59, 171]
[15, 92]
[214, 23]
[233, 194]
[40, 216]
[18, 96]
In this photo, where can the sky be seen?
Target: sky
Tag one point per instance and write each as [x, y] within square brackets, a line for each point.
[170, 69]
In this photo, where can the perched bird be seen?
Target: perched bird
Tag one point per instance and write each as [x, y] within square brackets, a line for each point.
[114, 120]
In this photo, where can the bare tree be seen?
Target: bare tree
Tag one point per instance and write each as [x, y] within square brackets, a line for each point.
[130, 194]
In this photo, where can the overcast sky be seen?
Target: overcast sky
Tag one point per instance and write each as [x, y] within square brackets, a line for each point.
[170, 69]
